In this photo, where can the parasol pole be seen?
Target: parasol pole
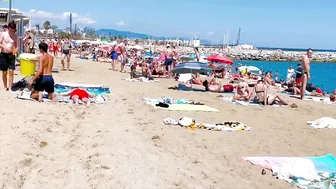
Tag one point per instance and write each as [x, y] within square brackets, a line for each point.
[9, 11]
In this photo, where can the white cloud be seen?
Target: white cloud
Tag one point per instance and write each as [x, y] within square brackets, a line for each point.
[120, 23]
[40, 15]
[210, 33]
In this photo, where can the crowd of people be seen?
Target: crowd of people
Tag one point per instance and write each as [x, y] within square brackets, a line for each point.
[148, 63]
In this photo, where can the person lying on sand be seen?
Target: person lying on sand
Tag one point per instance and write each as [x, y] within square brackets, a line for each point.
[242, 92]
[79, 94]
[217, 87]
[261, 92]
[198, 81]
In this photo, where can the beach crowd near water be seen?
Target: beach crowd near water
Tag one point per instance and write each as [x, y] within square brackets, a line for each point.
[107, 125]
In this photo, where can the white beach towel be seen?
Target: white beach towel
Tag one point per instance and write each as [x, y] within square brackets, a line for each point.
[324, 122]
[313, 98]
[245, 103]
[185, 78]
[142, 79]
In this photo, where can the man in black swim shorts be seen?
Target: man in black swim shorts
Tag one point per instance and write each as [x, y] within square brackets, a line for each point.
[8, 46]
[44, 80]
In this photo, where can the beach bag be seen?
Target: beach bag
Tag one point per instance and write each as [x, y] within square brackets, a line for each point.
[228, 88]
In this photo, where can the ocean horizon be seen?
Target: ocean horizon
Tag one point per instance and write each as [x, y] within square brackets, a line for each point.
[295, 49]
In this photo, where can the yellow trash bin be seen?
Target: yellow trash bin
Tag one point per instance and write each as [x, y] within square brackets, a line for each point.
[28, 64]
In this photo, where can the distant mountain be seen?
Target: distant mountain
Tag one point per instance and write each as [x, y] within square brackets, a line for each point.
[113, 32]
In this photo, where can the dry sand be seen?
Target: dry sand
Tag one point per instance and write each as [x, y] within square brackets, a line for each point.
[124, 144]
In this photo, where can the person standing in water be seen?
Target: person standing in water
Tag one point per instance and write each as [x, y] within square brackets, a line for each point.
[305, 72]
[66, 53]
[43, 79]
[8, 46]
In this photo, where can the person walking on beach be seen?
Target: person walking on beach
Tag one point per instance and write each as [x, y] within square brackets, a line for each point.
[305, 72]
[169, 60]
[8, 46]
[43, 79]
[66, 53]
[114, 55]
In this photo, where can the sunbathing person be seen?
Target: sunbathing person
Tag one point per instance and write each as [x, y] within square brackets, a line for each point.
[268, 79]
[79, 94]
[261, 92]
[217, 87]
[242, 92]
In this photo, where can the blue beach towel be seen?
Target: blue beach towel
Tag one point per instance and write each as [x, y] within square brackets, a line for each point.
[98, 90]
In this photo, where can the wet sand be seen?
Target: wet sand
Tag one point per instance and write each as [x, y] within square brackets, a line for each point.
[124, 143]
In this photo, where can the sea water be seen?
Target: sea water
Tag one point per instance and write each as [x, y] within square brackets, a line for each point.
[323, 75]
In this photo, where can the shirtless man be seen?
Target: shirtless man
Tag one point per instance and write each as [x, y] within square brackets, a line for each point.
[43, 79]
[8, 46]
[305, 72]
[66, 53]
[169, 60]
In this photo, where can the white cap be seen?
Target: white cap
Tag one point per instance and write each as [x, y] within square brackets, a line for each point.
[167, 45]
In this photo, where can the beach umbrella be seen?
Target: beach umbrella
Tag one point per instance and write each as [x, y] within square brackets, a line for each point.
[191, 67]
[106, 48]
[220, 59]
[249, 68]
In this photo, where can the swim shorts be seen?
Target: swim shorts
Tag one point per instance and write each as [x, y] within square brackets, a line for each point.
[7, 61]
[66, 53]
[168, 62]
[45, 83]
[114, 55]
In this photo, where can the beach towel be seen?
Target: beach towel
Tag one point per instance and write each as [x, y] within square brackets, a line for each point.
[313, 98]
[245, 103]
[324, 122]
[304, 172]
[191, 124]
[142, 79]
[187, 107]
[95, 89]
[25, 95]
[178, 105]
[185, 78]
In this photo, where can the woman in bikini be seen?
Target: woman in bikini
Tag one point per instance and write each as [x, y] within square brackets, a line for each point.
[79, 94]
[260, 90]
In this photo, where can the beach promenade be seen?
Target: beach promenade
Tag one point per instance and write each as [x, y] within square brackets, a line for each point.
[124, 143]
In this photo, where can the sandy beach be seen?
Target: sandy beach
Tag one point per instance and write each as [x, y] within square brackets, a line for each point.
[124, 143]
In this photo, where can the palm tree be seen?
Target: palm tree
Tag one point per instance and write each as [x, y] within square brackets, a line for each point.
[46, 26]
[54, 28]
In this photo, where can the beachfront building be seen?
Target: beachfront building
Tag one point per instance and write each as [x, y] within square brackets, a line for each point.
[15, 16]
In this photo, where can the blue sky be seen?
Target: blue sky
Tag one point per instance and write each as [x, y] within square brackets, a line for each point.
[285, 23]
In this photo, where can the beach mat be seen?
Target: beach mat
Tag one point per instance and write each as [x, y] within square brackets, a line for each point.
[187, 107]
[190, 123]
[313, 98]
[244, 103]
[141, 79]
[95, 89]
[25, 95]
[304, 172]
